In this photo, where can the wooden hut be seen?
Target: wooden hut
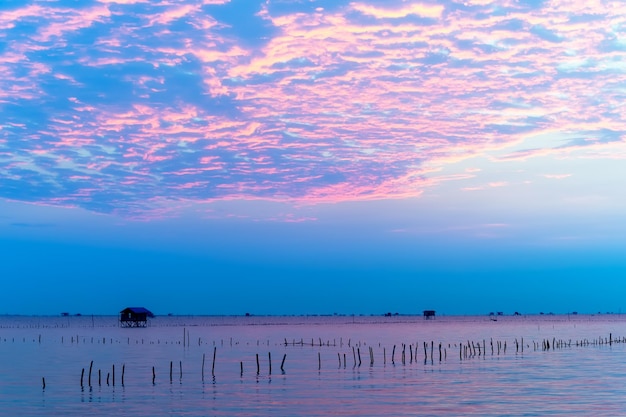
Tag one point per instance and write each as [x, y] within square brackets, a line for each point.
[429, 314]
[135, 317]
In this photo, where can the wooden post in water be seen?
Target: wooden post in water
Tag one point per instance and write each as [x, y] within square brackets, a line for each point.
[180, 365]
[89, 378]
[153, 375]
[393, 352]
[82, 375]
[99, 377]
[319, 361]
[113, 375]
[171, 366]
[258, 369]
[241, 367]
[43, 381]
[282, 364]
[269, 358]
[213, 365]
[203, 367]
[123, 369]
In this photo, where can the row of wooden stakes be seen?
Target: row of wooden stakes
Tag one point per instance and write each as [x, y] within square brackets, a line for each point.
[467, 350]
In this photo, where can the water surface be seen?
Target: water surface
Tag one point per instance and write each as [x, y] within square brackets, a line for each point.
[322, 373]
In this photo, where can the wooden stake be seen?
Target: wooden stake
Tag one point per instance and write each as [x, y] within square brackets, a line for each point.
[282, 364]
[213, 366]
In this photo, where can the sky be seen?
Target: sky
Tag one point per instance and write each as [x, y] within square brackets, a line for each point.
[312, 156]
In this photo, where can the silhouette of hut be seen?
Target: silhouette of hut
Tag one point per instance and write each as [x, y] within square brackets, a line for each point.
[429, 314]
[135, 317]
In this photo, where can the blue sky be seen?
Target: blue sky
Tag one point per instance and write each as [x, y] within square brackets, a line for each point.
[301, 157]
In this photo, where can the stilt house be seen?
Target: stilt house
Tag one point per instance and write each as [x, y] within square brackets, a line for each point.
[135, 317]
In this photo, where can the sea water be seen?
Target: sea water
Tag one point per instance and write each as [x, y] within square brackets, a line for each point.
[331, 365]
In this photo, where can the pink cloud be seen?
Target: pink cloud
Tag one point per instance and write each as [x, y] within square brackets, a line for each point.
[557, 176]
[423, 10]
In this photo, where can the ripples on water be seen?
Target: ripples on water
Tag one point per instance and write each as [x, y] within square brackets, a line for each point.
[584, 381]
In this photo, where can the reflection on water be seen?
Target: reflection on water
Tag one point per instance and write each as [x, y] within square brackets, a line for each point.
[362, 366]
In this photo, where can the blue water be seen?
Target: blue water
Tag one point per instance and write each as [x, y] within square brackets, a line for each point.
[322, 374]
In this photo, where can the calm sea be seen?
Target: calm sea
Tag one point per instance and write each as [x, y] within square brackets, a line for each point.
[340, 365]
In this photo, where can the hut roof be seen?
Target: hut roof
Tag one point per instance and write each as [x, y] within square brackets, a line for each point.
[138, 310]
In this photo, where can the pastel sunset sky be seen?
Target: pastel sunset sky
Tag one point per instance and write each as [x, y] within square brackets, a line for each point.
[312, 156]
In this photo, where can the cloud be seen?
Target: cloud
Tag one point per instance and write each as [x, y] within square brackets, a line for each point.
[133, 108]
[417, 9]
[557, 176]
